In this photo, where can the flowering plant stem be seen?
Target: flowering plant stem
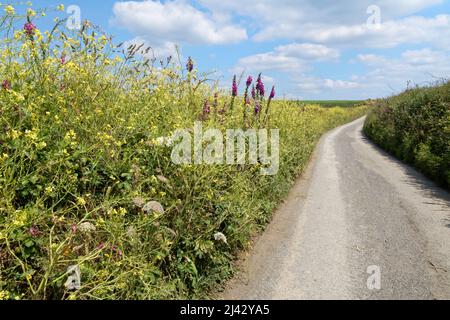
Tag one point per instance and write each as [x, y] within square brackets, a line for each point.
[232, 102]
[267, 113]
[245, 107]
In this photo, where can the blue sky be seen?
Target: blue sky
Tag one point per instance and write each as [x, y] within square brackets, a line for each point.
[310, 49]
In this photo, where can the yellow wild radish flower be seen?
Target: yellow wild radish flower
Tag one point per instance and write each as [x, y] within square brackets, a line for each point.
[4, 295]
[20, 219]
[14, 134]
[102, 40]
[31, 12]
[18, 34]
[81, 201]
[3, 157]
[122, 211]
[100, 221]
[49, 190]
[10, 10]
[38, 35]
[60, 7]
[32, 134]
[70, 136]
[41, 145]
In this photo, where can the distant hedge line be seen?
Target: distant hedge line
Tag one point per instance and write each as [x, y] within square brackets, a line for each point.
[415, 127]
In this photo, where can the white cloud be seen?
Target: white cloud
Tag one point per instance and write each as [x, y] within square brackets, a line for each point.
[267, 61]
[292, 57]
[268, 80]
[340, 84]
[390, 75]
[371, 59]
[307, 51]
[411, 60]
[295, 60]
[316, 85]
[300, 12]
[340, 22]
[384, 76]
[174, 21]
[423, 57]
[413, 30]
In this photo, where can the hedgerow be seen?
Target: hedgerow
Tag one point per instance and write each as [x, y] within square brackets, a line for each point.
[415, 127]
[87, 181]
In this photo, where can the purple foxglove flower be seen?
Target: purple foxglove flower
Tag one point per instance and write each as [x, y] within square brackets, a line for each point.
[249, 81]
[253, 93]
[258, 81]
[29, 28]
[63, 59]
[257, 108]
[206, 107]
[272, 93]
[234, 91]
[6, 85]
[260, 86]
[190, 65]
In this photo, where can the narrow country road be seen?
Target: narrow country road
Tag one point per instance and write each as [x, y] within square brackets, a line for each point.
[354, 207]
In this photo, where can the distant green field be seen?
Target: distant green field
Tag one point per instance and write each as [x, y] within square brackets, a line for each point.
[334, 103]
